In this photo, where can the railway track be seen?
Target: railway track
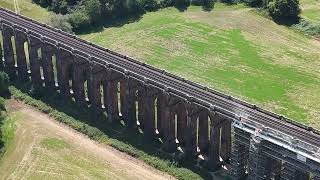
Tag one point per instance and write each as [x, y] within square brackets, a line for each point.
[199, 94]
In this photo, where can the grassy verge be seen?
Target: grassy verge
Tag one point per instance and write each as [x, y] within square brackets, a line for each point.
[7, 131]
[98, 129]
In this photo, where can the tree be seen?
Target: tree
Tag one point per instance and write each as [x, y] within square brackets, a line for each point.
[2, 106]
[208, 5]
[59, 6]
[152, 5]
[79, 19]
[182, 4]
[285, 11]
[254, 3]
[60, 21]
[4, 83]
[227, 1]
[93, 10]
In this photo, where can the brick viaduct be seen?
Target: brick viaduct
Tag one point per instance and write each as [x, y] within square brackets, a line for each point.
[251, 141]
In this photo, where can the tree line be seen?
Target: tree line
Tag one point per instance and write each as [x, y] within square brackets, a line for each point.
[79, 14]
[75, 15]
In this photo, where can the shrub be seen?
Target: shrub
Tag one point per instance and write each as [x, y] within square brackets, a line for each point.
[254, 3]
[307, 27]
[285, 11]
[197, 2]
[93, 10]
[208, 5]
[181, 3]
[227, 1]
[79, 19]
[60, 21]
[2, 105]
[4, 83]
[59, 6]
[151, 5]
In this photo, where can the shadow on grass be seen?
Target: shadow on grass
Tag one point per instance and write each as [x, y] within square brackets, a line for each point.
[114, 130]
[121, 21]
[118, 22]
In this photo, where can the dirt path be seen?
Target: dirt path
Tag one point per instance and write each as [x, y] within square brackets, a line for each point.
[33, 126]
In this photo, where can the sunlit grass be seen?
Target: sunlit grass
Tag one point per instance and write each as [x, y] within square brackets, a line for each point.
[231, 49]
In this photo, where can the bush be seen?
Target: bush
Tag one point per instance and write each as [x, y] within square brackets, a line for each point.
[151, 5]
[181, 3]
[208, 5]
[285, 11]
[307, 27]
[93, 10]
[2, 105]
[60, 21]
[254, 3]
[226, 1]
[4, 83]
[59, 6]
[79, 19]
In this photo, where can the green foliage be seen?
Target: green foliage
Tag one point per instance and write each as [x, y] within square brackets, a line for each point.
[285, 11]
[60, 21]
[59, 6]
[151, 5]
[93, 10]
[79, 19]
[208, 5]
[228, 1]
[307, 27]
[5, 130]
[2, 105]
[4, 83]
[254, 3]
[181, 3]
[81, 14]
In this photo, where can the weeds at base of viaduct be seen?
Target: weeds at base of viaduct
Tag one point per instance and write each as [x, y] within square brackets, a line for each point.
[99, 129]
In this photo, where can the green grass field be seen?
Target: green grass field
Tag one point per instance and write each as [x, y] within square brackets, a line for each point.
[27, 8]
[311, 10]
[231, 49]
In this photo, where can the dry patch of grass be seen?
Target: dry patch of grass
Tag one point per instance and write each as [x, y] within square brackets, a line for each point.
[27, 8]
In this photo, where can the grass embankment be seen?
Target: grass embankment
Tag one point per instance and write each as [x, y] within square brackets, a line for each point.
[231, 49]
[26, 8]
[40, 148]
[311, 10]
[7, 129]
[98, 129]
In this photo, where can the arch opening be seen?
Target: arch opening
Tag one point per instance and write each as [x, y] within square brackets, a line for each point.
[54, 69]
[119, 98]
[14, 51]
[26, 52]
[102, 94]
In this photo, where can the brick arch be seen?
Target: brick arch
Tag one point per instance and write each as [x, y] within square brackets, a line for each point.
[20, 41]
[9, 60]
[49, 52]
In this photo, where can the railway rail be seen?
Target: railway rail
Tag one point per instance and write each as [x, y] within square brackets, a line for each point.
[240, 111]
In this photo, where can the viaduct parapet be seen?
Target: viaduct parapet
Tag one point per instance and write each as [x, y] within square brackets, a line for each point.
[249, 140]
